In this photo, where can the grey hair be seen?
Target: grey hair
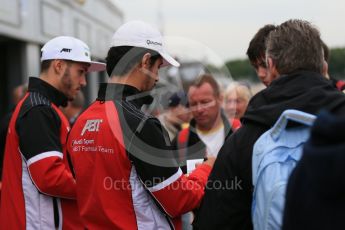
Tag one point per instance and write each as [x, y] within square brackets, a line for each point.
[295, 45]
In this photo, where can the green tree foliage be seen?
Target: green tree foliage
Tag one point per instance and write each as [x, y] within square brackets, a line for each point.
[336, 66]
[241, 69]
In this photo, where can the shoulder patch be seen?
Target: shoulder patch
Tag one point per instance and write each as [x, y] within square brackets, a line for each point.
[34, 99]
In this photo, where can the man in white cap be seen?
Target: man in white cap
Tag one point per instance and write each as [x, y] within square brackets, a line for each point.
[38, 189]
[127, 177]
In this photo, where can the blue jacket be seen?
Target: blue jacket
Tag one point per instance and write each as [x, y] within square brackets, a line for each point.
[275, 155]
[315, 197]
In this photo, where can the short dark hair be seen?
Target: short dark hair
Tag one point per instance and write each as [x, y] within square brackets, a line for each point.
[207, 78]
[122, 59]
[178, 98]
[295, 45]
[257, 46]
[45, 65]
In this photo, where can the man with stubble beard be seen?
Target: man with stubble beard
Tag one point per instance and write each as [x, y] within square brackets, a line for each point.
[38, 189]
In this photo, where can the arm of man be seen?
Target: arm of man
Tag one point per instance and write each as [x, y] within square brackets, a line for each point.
[39, 143]
[152, 155]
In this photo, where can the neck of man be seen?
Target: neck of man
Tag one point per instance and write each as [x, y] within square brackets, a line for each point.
[213, 127]
[51, 79]
[128, 79]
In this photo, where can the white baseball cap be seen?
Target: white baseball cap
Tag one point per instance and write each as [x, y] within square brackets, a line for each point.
[70, 48]
[141, 34]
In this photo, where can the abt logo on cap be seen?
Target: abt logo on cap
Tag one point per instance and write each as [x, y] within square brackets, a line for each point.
[65, 50]
[91, 126]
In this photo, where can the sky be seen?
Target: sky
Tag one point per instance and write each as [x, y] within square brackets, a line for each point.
[216, 31]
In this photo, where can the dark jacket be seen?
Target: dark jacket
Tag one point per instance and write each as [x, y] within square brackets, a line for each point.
[228, 197]
[315, 197]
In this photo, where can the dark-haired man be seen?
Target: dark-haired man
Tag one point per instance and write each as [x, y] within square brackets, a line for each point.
[256, 53]
[127, 176]
[74, 108]
[339, 84]
[38, 189]
[177, 114]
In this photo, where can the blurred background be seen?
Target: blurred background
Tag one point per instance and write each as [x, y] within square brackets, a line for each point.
[204, 35]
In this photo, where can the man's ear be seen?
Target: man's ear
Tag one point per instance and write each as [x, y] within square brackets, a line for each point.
[58, 66]
[271, 68]
[269, 63]
[325, 69]
[145, 61]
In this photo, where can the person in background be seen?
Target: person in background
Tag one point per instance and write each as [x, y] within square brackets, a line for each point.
[74, 108]
[208, 128]
[177, 114]
[236, 99]
[256, 53]
[38, 189]
[206, 131]
[339, 84]
[17, 94]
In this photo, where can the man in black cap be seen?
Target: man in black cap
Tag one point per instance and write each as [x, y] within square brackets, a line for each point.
[177, 115]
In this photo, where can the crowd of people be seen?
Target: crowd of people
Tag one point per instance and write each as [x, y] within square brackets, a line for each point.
[110, 165]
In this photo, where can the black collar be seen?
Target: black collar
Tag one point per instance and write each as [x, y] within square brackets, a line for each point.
[113, 91]
[48, 91]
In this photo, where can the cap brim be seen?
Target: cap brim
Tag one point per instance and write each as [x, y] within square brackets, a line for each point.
[168, 60]
[96, 66]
